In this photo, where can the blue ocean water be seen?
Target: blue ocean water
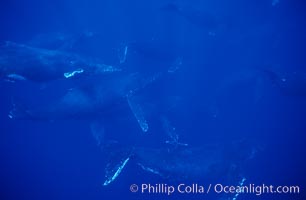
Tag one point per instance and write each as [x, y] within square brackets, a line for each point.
[221, 86]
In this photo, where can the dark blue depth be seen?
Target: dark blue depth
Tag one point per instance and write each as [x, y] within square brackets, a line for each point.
[228, 78]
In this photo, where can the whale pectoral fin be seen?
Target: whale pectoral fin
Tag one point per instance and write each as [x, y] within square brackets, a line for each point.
[73, 73]
[112, 173]
[117, 157]
[138, 112]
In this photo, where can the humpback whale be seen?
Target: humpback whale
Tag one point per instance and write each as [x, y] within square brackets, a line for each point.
[176, 161]
[94, 100]
[216, 162]
[23, 62]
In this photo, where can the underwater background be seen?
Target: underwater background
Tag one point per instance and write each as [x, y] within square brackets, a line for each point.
[224, 67]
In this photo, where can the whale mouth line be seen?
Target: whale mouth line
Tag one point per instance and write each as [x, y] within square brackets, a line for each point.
[73, 73]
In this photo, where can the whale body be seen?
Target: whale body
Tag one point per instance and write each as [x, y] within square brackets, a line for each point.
[23, 62]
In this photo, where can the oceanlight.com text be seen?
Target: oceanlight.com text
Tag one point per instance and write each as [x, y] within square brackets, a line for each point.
[196, 188]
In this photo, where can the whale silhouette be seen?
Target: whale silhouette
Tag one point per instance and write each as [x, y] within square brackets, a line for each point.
[22, 62]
